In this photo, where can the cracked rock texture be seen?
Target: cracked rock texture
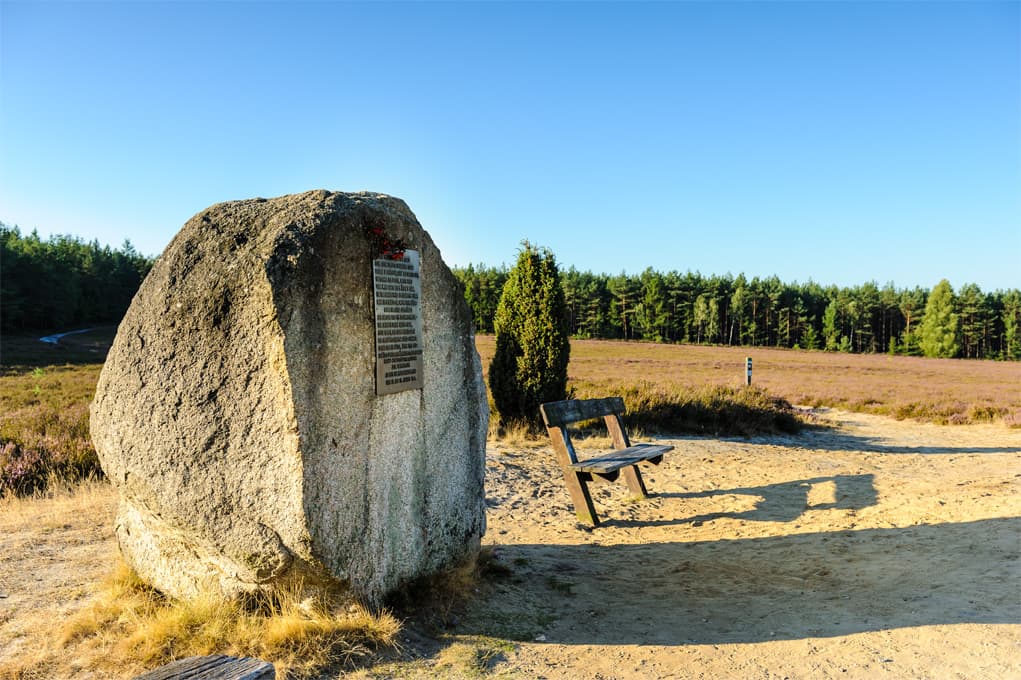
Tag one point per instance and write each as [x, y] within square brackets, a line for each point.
[236, 413]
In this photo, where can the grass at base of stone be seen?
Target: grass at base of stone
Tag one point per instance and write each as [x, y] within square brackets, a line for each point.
[435, 602]
[128, 625]
[459, 657]
[473, 656]
[440, 612]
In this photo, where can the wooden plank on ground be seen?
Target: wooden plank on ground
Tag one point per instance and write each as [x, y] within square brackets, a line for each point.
[215, 667]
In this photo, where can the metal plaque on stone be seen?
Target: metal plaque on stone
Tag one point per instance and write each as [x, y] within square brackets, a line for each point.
[397, 290]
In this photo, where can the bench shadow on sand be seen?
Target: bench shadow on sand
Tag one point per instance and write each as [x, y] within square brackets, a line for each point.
[782, 502]
[795, 586]
[756, 589]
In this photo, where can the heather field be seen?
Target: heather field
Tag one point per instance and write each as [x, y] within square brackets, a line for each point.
[943, 391]
[45, 391]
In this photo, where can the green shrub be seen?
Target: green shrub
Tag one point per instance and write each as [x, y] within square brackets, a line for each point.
[940, 330]
[529, 366]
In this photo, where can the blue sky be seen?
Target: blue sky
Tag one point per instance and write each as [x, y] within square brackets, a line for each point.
[839, 142]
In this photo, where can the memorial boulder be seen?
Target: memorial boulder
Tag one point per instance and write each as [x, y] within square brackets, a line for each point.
[294, 395]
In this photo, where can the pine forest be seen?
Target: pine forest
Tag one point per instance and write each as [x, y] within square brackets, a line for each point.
[62, 281]
[728, 310]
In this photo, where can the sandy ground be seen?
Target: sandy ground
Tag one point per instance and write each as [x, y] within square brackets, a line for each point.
[54, 552]
[872, 549]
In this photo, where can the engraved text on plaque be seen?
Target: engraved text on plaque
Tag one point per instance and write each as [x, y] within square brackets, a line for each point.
[397, 289]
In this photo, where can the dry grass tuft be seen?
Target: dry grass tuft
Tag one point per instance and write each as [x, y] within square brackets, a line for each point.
[517, 435]
[116, 626]
[59, 502]
[473, 657]
[130, 625]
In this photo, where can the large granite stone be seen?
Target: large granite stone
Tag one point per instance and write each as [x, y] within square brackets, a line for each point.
[237, 413]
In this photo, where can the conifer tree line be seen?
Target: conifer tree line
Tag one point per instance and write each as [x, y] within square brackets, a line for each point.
[728, 310]
[63, 281]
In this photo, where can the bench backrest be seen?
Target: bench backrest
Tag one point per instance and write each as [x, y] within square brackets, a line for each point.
[559, 414]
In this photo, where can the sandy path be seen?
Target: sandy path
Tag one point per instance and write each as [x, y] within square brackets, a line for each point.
[54, 552]
[873, 549]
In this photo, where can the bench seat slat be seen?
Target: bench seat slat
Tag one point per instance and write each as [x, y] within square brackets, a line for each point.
[616, 460]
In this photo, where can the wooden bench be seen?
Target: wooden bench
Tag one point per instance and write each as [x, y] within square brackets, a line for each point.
[624, 460]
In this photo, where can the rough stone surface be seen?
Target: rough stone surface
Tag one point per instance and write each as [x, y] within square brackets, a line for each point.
[237, 415]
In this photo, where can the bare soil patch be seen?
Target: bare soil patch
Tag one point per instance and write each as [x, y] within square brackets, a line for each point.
[874, 548]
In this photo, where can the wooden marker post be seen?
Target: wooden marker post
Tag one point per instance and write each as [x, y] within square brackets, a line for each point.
[748, 371]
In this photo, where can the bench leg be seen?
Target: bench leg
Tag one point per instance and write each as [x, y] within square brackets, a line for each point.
[577, 484]
[635, 484]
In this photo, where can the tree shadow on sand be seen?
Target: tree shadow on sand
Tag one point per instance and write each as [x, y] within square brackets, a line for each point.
[755, 589]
